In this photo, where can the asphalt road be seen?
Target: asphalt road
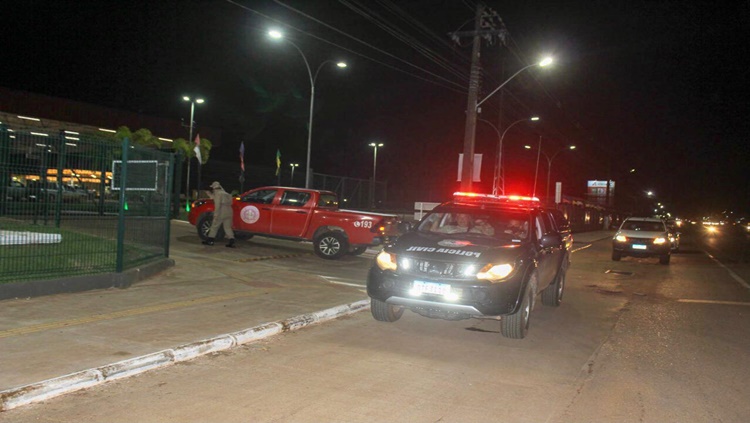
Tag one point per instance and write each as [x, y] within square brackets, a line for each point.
[633, 341]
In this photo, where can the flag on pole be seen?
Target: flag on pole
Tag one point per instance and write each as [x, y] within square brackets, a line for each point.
[242, 156]
[197, 148]
[278, 161]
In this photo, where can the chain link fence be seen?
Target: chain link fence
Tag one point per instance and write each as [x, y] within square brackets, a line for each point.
[74, 204]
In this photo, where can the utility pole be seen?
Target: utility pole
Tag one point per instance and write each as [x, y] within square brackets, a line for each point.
[484, 26]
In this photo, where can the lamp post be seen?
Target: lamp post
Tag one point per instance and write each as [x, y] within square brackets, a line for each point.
[467, 169]
[499, 164]
[549, 164]
[375, 147]
[313, 77]
[192, 114]
[291, 180]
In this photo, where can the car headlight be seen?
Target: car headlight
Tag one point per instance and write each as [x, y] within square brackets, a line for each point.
[660, 240]
[495, 272]
[386, 261]
[621, 238]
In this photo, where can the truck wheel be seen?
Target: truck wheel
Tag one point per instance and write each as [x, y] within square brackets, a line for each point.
[204, 225]
[616, 256]
[664, 259]
[384, 312]
[516, 325]
[331, 245]
[552, 295]
[357, 251]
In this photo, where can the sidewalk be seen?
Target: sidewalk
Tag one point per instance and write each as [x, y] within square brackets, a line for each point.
[212, 299]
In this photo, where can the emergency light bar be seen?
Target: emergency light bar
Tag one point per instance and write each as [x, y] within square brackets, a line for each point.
[473, 196]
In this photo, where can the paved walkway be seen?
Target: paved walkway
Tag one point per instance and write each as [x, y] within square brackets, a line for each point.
[209, 301]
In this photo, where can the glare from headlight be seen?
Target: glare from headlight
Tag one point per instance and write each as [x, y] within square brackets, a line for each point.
[660, 240]
[386, 261]
[621, 238]
[495, 273]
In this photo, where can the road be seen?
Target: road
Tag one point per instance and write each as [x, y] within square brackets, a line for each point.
[633, 341]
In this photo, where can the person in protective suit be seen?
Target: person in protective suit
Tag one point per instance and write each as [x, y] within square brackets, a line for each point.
[222, 214]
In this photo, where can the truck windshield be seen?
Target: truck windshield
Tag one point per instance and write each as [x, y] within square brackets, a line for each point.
[496, 224]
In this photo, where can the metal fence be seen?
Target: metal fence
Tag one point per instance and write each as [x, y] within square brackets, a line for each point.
[352, 192]
[72, 204]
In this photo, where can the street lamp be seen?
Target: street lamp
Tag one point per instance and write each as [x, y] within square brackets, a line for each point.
[192, 114]
[375, 146]
[278, 35]
[291, 180]
[549, 163]
[498, 166]
[473, 109]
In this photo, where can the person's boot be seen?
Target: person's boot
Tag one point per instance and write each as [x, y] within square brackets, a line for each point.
[231, 243]
[208, 241]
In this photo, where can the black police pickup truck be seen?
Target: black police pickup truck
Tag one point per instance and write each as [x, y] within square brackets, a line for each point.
[478, 256]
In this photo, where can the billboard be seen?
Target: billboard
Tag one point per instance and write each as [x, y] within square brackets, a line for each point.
[596, 192]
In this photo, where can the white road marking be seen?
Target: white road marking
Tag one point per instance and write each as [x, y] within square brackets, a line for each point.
[340, 281]
[714, 302]
[581, 248]
[731, 273]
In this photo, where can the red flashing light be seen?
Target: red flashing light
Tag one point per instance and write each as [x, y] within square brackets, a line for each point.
[499, 198]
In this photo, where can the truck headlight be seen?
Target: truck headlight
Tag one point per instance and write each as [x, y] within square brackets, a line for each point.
[621, 238]
[660, 240]
[495, 272]
[386, 261]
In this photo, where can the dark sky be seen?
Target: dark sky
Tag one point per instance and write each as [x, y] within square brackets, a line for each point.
[658, 86]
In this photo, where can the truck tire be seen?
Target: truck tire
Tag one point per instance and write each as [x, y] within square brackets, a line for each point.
[331, 245]
[516, 325]
[204, 225]
[552, 295]
[384, 312]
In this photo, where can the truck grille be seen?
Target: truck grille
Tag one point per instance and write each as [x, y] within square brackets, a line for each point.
[435, 268]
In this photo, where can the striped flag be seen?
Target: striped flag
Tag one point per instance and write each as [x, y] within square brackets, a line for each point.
[242, 156]
[197, 148]
[278, 161]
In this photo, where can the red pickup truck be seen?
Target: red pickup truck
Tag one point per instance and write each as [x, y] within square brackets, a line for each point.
[300, 214]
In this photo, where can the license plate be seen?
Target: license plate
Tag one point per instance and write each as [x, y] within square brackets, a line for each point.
[420, 287]
[639, 247]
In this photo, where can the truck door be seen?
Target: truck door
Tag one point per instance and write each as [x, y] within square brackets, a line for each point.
[253, 213]
[549, 256]
[292, 213]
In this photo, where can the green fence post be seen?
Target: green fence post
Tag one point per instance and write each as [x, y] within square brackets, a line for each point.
[177, 177]
[4, 172]
[60, 166]
[167, 211]
[121, 211]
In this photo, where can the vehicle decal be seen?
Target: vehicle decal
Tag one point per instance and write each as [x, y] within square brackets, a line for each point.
[446, 251]
[363, 224]
[250, 214]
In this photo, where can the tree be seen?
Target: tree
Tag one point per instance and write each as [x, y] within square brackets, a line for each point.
[144, 137]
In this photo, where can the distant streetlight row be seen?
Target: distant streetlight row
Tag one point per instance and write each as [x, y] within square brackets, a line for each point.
[498, 180]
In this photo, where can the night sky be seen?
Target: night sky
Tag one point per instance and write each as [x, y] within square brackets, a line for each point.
[655, 86]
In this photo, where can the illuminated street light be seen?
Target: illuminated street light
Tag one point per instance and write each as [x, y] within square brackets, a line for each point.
[278, 35]
[192, 114]
[293, 165]
[498, 165]
[549, 164]
[375, 147]
[471, 123]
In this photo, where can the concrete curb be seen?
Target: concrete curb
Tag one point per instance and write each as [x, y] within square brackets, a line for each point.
[50, 388]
